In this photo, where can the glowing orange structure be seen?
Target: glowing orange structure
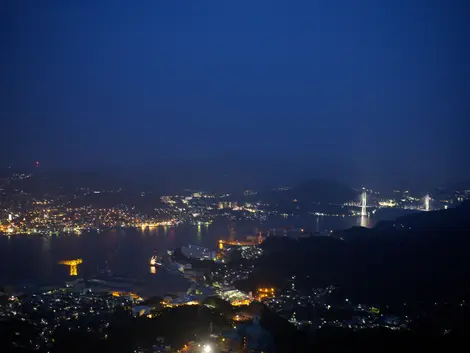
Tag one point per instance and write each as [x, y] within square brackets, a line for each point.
[241, 302]
[174, 305]
[265, 293]
[249, 242]
[73, 264]
[239, 243]
[126, 294]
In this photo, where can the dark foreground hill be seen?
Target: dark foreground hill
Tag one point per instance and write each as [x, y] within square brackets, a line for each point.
[384, 265]
[453, 219]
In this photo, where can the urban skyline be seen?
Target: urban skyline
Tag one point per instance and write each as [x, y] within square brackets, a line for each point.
[263, 176]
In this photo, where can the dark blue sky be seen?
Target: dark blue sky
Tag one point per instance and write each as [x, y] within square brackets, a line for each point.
[375, 90]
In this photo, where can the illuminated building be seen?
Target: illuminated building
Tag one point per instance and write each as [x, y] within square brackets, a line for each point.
[126, 294]
[265, 293]
[242, 302]
[249, 338]
[198, 252]
[254, 241]
[174, 304]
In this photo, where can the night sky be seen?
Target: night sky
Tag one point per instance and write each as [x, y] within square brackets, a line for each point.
[368, 90]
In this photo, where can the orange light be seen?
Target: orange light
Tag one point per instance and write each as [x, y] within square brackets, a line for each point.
[241, 302]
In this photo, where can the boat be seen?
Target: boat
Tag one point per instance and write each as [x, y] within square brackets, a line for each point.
[155, 260]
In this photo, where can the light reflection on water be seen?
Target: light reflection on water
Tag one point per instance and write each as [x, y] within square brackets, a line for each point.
[128, 251]
[365, 221]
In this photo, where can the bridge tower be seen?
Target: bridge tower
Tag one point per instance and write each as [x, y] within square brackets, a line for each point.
[427, 200]
[364, 204]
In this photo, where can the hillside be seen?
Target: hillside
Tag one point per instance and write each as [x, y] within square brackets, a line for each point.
[453, 219]
[377, 265]
[309, 192]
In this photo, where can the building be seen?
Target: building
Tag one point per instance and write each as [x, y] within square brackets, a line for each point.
[198, 252]
[249, 338]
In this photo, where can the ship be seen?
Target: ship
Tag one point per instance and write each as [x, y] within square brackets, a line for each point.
[155, 260]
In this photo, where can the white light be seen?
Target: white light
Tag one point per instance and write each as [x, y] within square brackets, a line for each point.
[207, 349]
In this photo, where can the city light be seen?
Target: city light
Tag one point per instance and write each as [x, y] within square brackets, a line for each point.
[241, 302]
[388, 203]
[265, 293]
